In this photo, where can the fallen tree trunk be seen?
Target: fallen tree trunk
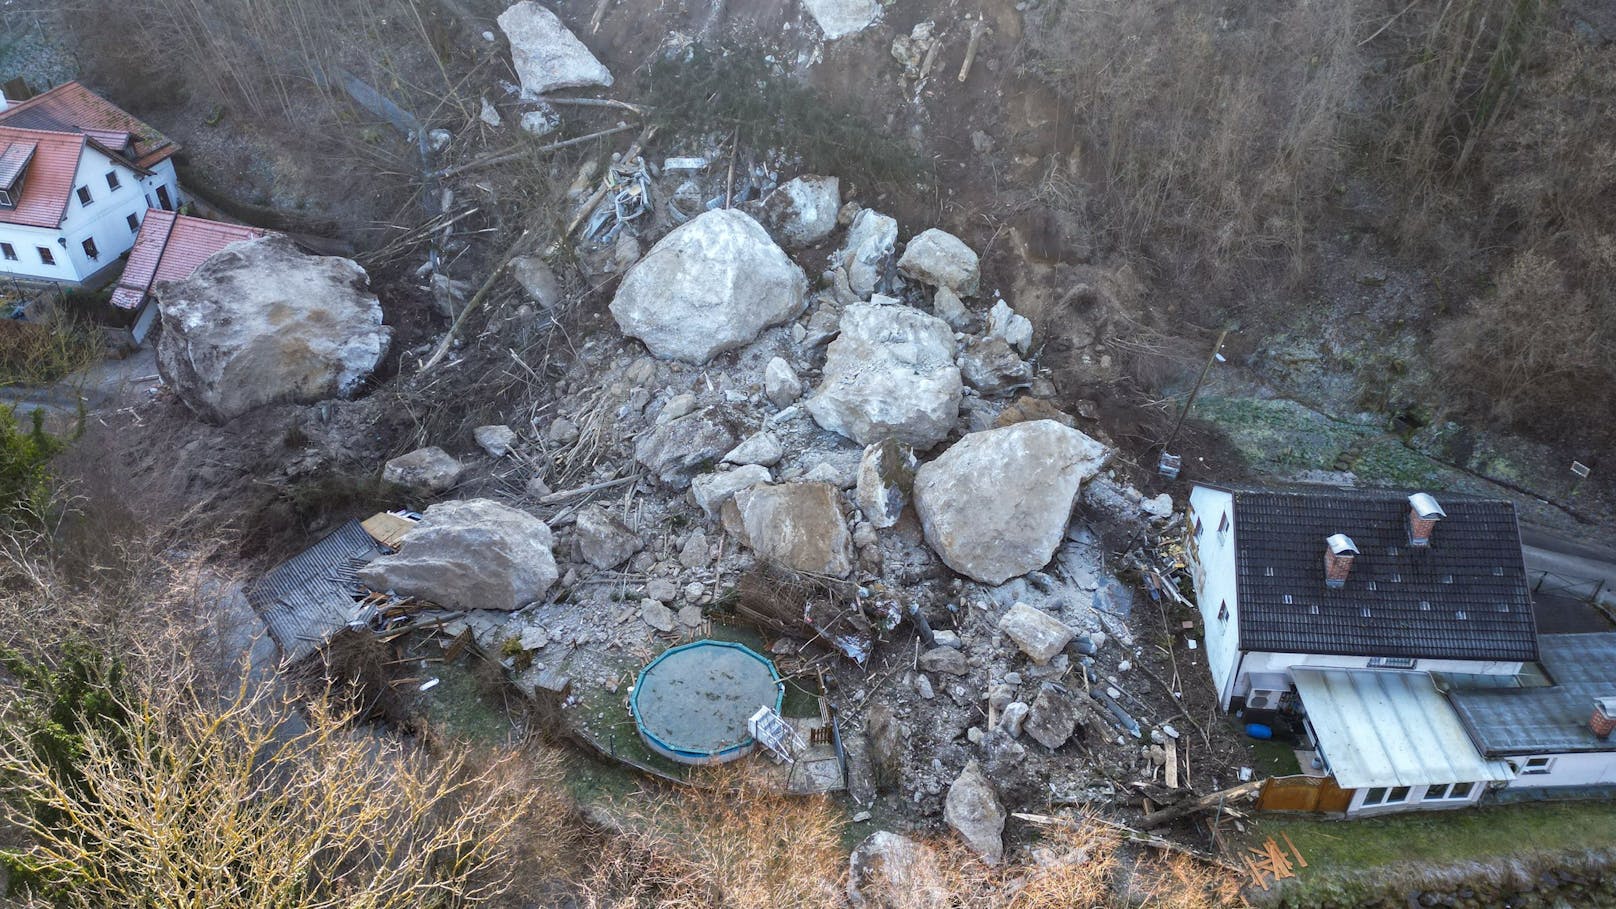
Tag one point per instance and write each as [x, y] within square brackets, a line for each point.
[1190, 806]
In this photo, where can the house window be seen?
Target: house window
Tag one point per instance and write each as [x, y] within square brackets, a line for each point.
[1452, 792]
[163, 199]
[1536, 766]
[84, 196]
[134, 223]
[46, 256]
[112, 180]
[1223, 525]
[9, 251]
[89, 248]
[1396, 795]
[1391, 663]
[1223, 611]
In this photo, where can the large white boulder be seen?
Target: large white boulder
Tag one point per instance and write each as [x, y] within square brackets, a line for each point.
[996, 504]
[711, 285]
[469, 554]
[939, 258]
[890, 373]
[260, 322]
[872, 239]
[837, 18]
[888, 870]
[798, 526]
[546, 55]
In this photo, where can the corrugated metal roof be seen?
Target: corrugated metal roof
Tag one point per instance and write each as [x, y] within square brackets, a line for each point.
[74, 108]
[308, 598]
[1464, 597]
[170, 247]
[1380, 728]
[1552, 719]
[48, 182]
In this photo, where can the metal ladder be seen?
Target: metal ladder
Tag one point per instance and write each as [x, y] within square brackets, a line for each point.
[775, 734]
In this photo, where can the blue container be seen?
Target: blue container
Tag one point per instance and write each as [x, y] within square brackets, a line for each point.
[1259, 731]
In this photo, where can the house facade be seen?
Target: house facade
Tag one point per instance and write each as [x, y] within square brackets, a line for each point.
[77, 176]
[1361, 623]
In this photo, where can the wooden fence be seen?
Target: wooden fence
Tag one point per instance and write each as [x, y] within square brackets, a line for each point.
[1303, 793]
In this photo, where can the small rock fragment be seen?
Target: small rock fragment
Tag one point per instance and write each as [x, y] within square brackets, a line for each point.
[886, 474]
[495, 440]
[424, 471]
[780, 383]
[760, 448]
[946, 660]
[657, 615]
[1039, 635]
[939, 258]
[604, 540]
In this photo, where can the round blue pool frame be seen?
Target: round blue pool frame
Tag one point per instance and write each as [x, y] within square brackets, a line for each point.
[695, 755]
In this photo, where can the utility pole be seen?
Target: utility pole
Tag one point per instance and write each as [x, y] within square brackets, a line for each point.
[1169, 464]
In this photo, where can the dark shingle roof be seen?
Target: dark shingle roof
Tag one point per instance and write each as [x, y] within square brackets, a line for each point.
[1464, 597]
[1546, 720]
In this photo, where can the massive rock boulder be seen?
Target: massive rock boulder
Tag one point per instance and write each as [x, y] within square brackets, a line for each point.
[995, 505]
[711, 285]
[871, 241]
[888, 870]
[469, 554]
[890, 373]
[837, 18]
[798, 526]
[800, 212]
[972, 808]
[261, 323]
[939, 258]
[545, 54]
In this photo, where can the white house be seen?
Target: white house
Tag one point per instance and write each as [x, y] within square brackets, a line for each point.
[1347, 616]
[77, 175]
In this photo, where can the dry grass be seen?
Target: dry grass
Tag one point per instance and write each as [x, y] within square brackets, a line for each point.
[732, 842]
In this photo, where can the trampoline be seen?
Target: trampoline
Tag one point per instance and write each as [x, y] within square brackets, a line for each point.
[691, 703]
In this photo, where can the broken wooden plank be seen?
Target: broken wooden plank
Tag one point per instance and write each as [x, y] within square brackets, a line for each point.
[1171, 747]
[1205, 802]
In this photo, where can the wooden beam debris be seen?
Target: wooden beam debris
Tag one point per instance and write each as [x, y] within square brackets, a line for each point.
[1205, 802]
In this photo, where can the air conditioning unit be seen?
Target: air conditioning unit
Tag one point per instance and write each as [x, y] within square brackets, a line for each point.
[1264, 698]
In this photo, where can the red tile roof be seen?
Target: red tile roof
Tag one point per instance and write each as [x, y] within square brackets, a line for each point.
[48, 183]
[70, 107]
[169, 247]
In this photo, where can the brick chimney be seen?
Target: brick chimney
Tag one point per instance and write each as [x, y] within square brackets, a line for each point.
[1339, 551]
[1423, 513]
[1603, 722]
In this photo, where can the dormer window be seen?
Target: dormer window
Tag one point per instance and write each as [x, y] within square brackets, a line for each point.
[13, 169]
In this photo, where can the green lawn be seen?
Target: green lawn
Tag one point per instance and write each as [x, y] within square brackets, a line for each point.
[1444, 836]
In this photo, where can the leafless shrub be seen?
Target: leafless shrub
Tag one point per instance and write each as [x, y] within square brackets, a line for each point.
[245, 804]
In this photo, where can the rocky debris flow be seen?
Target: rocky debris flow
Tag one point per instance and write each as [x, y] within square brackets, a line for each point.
[780, 383]
[469, 554]
[890, 373]
[762, 447]
[798, 526]
[424, 471]
[888, 870]
[675, 450]
[260, 322]
[1039, 634]
[995, 505]
[545, 54]
[886, 474]
[536, 278]
[972, 808]
[1015, 329]
[990, 366]
[604, 541]
[495, 441]
[839, 18]
[1052, 717]
[939, 258]
[800, 212]
[710, 285]
[871, 242]
[712, 490]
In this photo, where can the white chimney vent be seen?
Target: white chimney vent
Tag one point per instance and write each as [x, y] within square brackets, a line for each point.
[1423, 513]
